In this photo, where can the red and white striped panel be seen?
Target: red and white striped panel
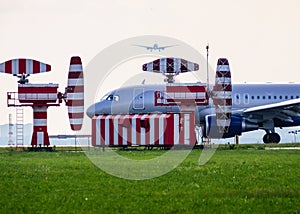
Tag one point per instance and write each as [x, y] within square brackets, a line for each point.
[143, 130]
[37, 93]
[222, 92]
[170, 65]
[40, 134]
[75, 93]
[24, 66]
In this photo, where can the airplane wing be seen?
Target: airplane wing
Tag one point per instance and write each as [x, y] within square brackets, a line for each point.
[283, 110]
[168, 46]
[144, 46]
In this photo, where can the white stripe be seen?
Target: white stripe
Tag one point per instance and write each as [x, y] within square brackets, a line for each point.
[75, 68]
[152, 129]
[40, 109]
[106, 137]
[42, 67]
[2, 67]
[187, 129]
[190, 66]
[223, 80]
[40, 138]
[223, 122]
[124, 137]
[98, 130]
[29, 66]
[116, 130]
[39, 122]
[163, 65]
[75, 121]
[176, 129]
[222, 94]
[75, 109]
[37, 96]
[223, 68]
[161, 129]
[75, 96]
[223, 109]
[150, 66]
[177, 65]
[133, 130]
[75, 82]
[15, 66]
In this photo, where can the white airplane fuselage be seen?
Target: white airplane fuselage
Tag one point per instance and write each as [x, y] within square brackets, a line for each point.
[268, 98]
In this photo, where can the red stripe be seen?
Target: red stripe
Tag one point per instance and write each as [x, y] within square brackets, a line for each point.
[223, 61]
[48, 67]
[148, 118]
[39, 115]
[36, 67]
[8, 67]
[102, 130]
[39, 128]
[186, 89]
[222, 87]
[223, 74]
[129, 131]
[75, 89]
[120, 131]
[94, 130]
[222, 102]
[76, 127]
[138, 130]
[111, 130]
[169, 131]
[41, 90]
[75, 103]
[75, 75]
[75, 115]
[75, 60]
[22, 66]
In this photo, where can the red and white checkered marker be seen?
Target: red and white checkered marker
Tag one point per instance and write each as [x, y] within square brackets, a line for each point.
[24, 66]
[170, 65]
[222, 92]
[75, 93]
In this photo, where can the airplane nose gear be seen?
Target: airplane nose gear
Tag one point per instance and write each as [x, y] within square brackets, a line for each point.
[271, 138]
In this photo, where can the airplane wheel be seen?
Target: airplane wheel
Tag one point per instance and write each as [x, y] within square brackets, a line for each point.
[274, 138]
[266, 138]
[271, 138]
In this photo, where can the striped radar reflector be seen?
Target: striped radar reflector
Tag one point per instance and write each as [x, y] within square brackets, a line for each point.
[24, 66]
[75, 94]
[222, 93]
[170, 65]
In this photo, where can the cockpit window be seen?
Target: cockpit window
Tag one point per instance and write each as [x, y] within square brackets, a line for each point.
[111, 97]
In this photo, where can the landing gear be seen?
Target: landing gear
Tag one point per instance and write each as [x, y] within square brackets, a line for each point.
[272, 137]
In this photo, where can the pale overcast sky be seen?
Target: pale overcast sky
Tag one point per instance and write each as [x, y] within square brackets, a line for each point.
[260, 37]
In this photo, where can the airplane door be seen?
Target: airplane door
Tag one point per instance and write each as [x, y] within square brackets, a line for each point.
[138, 98]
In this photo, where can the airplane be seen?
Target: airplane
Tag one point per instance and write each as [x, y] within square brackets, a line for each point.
[155, 47]
[246, 107]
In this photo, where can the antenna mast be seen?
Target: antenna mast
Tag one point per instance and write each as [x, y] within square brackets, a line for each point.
[207, 75]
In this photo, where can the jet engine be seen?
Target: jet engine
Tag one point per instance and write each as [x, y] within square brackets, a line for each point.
[237, 125]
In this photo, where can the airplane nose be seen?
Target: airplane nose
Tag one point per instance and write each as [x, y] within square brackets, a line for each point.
[91, 111]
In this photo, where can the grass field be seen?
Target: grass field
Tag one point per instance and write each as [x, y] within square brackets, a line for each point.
[233, 181]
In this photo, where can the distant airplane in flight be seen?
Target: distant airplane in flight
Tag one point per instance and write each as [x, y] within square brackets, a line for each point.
[155, 47]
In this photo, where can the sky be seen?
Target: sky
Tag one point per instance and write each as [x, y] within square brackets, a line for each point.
[260, 38]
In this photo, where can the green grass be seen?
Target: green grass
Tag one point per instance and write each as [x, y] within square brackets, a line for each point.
[233, 181]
